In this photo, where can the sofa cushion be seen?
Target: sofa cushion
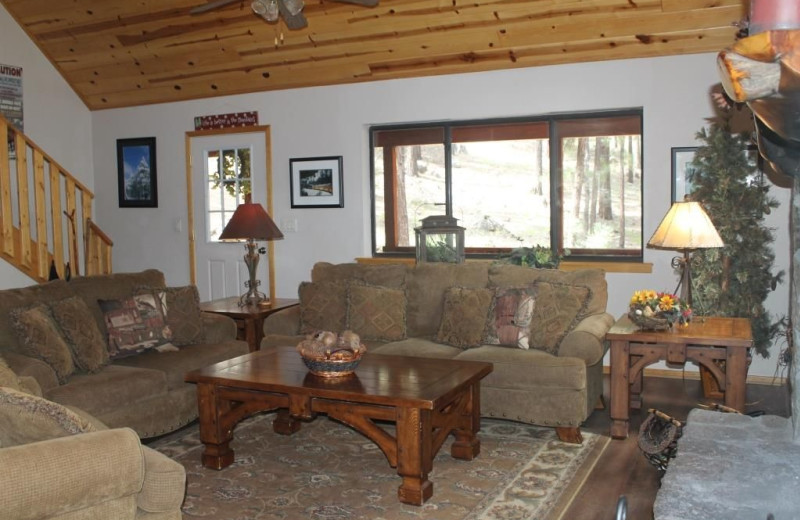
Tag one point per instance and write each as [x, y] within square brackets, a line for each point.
[39, 337]
[510, 314]
[388, 275]
[26, 418]
[416, 347]
[134, 324]
[559, 307]
[25, 297]
[376, 313]
[112, 287]
[425, 287]
[519, 369]
[323, 306]
[464, 316]
[114, 386]
[80, 331]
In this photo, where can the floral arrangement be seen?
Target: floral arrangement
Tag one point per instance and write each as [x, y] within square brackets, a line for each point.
[650, 304]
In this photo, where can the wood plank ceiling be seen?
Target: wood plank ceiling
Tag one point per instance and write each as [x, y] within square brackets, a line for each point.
[118, 53]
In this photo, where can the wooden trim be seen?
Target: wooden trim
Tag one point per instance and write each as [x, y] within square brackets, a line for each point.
[40, 214]
[609, 267]
[694, 375]
[7, 229]
[190, 209]
[270, 211]
[23, 255]
[56, 217]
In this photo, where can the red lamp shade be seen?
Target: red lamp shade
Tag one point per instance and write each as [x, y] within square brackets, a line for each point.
[250, 221]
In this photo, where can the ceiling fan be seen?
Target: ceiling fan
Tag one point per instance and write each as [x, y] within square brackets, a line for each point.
[270, 10]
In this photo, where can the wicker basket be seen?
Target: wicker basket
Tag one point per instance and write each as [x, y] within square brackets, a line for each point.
[650, 322]
[337, 363]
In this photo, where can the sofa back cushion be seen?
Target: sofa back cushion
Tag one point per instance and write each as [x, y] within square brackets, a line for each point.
[25, 297]
[426, 285]
[385, 275]
[115, 286]
[501, 275]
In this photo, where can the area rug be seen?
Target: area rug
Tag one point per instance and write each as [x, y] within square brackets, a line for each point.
[327, 471]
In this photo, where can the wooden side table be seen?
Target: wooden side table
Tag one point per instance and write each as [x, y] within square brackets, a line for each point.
[704, 341]
[249, 318]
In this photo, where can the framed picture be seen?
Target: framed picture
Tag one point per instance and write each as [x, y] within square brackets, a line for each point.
[136, 173]
[681, 168]
[316, 182]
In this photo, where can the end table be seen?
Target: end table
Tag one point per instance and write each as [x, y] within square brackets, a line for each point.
[249, 318]
[705, 340]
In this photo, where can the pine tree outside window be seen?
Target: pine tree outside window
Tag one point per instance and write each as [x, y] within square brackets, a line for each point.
[569, 182]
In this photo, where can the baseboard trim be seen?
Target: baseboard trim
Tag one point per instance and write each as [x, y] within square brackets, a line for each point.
[695, 375]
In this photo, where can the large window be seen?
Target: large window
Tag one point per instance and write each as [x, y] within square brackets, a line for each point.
[572, 182]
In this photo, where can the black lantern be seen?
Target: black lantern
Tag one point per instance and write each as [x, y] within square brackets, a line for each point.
[440, 239]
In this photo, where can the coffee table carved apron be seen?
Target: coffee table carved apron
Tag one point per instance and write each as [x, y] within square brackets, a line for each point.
[426, 399]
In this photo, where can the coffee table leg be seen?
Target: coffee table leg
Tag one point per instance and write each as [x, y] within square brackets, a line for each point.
[466, 445]
[216, 436]
[285, 424]
[414, 458]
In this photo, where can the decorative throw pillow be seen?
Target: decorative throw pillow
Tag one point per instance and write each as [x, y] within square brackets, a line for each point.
[323, 306]
[464, 316]
[89, 351]
[135, 324]
[39, 337]
[376, 313]
[559, 308]
[510, 317]
[182, 312]
[26, 418]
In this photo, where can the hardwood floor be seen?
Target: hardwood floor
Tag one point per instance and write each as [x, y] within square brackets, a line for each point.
[623, 470]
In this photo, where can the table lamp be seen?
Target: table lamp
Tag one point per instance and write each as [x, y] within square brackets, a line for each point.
[250, 222]
[686, 227]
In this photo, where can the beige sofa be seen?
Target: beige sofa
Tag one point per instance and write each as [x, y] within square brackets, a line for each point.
[145, 392]
[559, 388]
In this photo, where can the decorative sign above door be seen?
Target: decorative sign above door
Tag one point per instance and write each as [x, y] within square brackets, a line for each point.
[233, 120]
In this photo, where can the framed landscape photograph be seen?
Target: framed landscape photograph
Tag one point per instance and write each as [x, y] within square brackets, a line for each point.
[136, 173]
[316, 182]
[681, 168]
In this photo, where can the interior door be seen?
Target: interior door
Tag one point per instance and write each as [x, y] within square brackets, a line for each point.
[226, 170]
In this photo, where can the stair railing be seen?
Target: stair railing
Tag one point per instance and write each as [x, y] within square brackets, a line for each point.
[45, 213]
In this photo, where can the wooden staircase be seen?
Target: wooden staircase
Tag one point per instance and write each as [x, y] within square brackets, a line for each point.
[45, 213]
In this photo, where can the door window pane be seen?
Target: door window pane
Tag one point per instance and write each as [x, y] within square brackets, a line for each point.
[229, 182]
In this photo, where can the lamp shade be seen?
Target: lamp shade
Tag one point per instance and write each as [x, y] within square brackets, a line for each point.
[250, 221]
[686, 226]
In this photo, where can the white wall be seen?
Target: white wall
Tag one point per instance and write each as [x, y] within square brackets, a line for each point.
[673, 92]
[54, 116]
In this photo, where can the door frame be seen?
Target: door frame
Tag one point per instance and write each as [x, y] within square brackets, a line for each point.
[190, 196]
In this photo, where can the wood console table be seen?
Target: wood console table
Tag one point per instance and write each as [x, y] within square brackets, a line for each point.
[249, 318]
[704, 341]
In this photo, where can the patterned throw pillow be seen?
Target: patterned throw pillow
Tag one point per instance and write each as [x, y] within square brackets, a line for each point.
[464, 316]
[39, 337]
[182, 312]
[323, 306]
[89, 351]
[135, 324]
[559, 308]
[376, 313]
[510, 317]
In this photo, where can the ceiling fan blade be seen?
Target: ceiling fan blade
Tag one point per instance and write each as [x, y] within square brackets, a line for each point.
[293, 21]
[211, 5]
[366, 3]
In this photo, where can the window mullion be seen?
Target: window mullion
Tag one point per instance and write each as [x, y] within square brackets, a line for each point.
[556, 189]
[448, 171]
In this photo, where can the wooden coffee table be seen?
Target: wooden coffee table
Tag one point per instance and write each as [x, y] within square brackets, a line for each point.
[426, 399]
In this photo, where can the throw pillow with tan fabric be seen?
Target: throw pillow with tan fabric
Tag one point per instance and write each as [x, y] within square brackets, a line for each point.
[89, 351]
[510, 317]
[323, 306]
[464, 316]
[39, 337]
[182, 312]
[26, 418]
[559, 308]
[376, 313]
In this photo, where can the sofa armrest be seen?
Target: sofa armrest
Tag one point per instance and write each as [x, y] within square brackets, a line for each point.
[60, 476]
[164, 483]
[25, 366]
[587, 339]
[219, 328]
[285, 322]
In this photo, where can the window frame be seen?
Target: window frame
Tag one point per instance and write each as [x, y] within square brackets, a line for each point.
[555, 173]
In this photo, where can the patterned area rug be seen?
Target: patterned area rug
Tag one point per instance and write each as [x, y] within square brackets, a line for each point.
[327, 471]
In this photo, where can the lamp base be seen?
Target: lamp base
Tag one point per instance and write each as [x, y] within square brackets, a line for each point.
[253, 296]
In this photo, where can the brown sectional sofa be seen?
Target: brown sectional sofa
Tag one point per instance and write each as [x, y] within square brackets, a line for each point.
[145, 392]
[531, 386]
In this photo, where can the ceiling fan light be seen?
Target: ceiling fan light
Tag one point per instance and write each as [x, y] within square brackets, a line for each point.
[294, 6]
[266, 9]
